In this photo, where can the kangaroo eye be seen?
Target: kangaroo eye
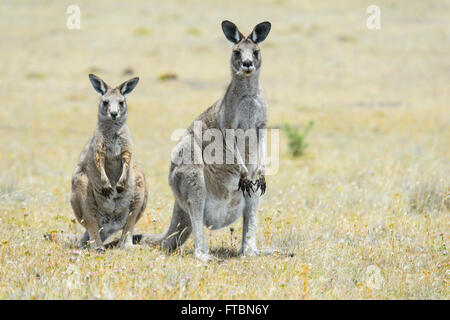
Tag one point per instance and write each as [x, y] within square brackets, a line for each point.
[237, 53]
[105, 103]
[256, 53]
[121, 104]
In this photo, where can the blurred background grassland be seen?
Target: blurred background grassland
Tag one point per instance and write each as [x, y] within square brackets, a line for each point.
[371, 188]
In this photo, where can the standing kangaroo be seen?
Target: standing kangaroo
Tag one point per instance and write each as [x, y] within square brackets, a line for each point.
[214, 194]
[109, 191]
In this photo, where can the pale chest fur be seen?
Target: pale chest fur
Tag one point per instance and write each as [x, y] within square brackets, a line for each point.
[113, 149]
[248, 112]
[113, 159]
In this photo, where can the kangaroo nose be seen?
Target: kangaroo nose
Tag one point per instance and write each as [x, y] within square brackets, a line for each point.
[113, 115]
[247, 63]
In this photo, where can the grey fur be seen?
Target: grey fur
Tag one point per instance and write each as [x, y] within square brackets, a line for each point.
[207, 194]
[109, 191]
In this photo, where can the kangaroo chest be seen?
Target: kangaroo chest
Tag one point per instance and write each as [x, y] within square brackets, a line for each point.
[113, 160]
[113, 149]
[247, 113]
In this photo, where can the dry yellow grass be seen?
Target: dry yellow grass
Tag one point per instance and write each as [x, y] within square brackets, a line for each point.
[372, 189]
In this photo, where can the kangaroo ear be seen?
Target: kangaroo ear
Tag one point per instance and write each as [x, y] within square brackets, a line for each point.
[99, 85]
[260, 32]
[231, 31]
[128, 86]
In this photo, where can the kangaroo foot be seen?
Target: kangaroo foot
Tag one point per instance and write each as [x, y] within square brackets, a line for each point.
[204, 257]
[248, 252]
[100, 250]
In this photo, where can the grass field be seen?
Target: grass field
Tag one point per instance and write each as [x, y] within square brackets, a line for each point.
[365, 211]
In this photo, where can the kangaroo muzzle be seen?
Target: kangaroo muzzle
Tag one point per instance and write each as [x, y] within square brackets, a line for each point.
[247, 66]
[114, 115]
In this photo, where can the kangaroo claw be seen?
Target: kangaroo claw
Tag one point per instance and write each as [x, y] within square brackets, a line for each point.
[261, 183]
[245, 185]
[120, 188]
[107, 191]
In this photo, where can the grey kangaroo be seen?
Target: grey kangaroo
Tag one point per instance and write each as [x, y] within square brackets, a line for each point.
[216, 195]
[109, 191]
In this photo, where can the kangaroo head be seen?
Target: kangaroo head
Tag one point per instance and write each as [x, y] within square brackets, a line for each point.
[113, 104]
[246, 57]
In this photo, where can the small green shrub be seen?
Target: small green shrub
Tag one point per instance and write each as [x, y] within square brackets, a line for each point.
[297, 139]
[35, 75]
[167, 76]
[141, 31]
[193, 31]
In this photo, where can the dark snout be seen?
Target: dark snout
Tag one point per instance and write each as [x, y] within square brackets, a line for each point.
[247, 66]
[114, 115]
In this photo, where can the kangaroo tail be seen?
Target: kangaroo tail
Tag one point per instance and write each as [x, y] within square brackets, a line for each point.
[149, 239]
[144, 239]
[176, 234]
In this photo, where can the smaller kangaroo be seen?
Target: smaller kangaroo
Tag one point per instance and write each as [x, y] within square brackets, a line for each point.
[109, 191]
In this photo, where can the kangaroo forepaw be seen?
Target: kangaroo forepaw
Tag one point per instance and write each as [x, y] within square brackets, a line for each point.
[107, 191]
[261, 183]
[245, 185]
[120, 188]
